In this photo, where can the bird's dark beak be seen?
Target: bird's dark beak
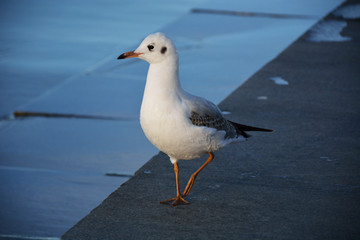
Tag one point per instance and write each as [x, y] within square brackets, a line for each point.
[128, 55]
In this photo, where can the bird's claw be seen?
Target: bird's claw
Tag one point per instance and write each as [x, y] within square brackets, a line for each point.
[175, 201]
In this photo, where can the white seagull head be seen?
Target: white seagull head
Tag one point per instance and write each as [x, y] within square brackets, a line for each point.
[155, 48]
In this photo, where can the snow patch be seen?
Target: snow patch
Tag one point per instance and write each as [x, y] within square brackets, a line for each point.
[225, 112]
[328, 31]
[279, 81]
[348, 12]
[262, 97]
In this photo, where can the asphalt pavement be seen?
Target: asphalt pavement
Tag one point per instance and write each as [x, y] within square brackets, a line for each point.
[300, 182]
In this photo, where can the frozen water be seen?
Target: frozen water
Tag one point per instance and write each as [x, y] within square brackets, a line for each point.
[53, 170]
[44, 43]
[328, 31]
[279, 81]
[22, 237]
[238, 42]
[74, 145]
[348, 12]
[46, 203]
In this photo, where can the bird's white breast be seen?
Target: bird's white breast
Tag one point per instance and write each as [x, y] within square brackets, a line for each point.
[165, 113]
[166, 124]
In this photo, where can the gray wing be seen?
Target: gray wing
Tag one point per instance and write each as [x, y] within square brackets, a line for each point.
[205, 113]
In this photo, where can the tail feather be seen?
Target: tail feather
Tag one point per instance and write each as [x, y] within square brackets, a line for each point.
[242, 129]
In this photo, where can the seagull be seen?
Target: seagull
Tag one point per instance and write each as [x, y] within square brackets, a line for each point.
[178, 123]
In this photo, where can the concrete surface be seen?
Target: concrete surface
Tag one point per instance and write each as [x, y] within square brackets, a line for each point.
[300, 182]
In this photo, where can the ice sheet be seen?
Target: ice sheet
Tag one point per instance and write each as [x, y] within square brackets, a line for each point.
[213, 62]
[53, 171]
[44, 43]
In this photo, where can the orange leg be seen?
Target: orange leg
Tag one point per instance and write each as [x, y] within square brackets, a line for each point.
[193, 177]
[178, 200]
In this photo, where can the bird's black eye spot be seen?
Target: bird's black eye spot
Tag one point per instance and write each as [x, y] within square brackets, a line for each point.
[150, 47]
[163, 50]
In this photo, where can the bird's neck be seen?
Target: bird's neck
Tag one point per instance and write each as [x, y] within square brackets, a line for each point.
[163, 78]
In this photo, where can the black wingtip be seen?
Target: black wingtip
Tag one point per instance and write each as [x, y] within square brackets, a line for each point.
[243, 128]
[263, 130]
